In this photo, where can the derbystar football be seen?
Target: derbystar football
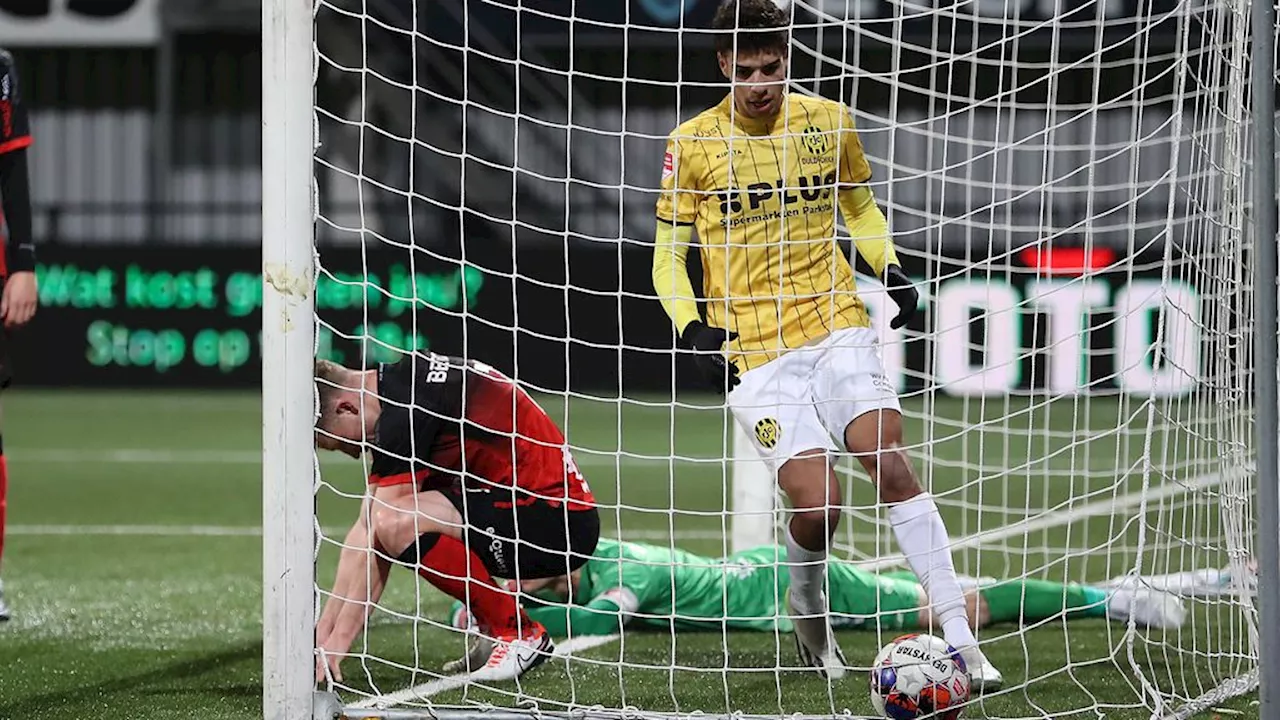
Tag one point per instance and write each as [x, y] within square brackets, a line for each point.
[917, 675]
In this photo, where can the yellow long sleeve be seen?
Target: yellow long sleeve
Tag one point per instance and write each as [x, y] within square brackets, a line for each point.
[670, 275]
[869, 228]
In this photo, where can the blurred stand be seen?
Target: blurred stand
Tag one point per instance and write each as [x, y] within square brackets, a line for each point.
[469, 119]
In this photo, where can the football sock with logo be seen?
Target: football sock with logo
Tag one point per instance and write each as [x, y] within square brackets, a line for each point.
[922, 537]
[1031, 600]
[447, 564]
[807, 571]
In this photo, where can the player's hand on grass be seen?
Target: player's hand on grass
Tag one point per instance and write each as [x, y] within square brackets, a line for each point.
[903, 294]
[18, 303]
[708, 346]
[326, 660]
[329, 657]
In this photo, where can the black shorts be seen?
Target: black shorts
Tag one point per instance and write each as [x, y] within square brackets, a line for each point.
[528, 541]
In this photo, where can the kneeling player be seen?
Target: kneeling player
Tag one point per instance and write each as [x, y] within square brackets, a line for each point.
[665, 588]
[470, 479]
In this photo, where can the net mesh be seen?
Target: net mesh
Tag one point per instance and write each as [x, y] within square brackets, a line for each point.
[1064, 181]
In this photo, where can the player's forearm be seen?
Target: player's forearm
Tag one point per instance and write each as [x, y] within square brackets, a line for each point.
[671, 275]
[361, 597]
[15, 193]
[360, 579]
[869, 228]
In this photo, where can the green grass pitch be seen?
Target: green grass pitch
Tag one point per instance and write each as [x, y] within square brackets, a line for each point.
[133, 562]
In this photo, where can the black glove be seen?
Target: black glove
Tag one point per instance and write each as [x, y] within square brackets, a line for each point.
[900, 289]
[708, 346]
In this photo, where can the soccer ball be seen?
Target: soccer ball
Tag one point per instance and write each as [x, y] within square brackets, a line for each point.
[917, 675]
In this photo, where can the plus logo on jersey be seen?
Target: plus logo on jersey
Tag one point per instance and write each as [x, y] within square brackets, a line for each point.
[786, 192]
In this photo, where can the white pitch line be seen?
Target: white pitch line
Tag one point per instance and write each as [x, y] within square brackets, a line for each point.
[138, 530]
[1106, 506]
[439, 685]
[145, 456]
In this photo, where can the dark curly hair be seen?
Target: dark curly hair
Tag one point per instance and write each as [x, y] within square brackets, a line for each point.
[758, 25]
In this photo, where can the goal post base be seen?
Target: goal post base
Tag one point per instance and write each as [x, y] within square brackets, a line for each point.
[326, 706]
[594, 713]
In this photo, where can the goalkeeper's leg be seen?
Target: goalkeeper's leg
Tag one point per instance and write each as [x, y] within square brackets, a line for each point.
[1028, 601]
[1034, 600]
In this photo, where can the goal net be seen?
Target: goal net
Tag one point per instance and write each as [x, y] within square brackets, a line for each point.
[1065, 183]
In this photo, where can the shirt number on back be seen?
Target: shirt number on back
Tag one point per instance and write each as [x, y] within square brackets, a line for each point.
[571, 467]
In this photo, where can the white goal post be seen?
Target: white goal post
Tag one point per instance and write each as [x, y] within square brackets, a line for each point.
[288, 352]
[1089, 388]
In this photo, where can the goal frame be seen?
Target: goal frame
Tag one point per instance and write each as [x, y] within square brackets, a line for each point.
[1263, 31]
[288, 351]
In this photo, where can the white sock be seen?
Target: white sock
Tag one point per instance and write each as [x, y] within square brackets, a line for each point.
[807, 573]
[923, 539]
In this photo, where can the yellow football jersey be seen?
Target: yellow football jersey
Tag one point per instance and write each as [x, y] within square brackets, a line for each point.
[763, 198]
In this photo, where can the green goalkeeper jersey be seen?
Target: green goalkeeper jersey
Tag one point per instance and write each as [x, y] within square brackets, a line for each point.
[672, 589]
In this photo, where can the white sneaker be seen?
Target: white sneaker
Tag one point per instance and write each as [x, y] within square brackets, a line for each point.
[513, 655]
[1147, 607]
[4, 608]
[983, 676]
[816, 643]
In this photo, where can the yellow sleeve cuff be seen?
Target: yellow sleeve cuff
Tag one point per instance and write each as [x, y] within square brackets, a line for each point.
[868, 227]
[670, 274]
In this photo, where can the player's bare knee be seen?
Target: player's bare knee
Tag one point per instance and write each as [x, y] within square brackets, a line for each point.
[819, 517]
[808, 480]
[811, 526]
[396, 527]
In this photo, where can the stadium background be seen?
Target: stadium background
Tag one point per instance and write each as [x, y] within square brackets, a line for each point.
[146, 182]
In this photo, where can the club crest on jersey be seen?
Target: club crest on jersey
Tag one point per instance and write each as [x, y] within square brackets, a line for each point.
[668, 166]
[767, 432]
[815, 141]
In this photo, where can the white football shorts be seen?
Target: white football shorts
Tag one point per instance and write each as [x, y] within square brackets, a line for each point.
[806, 398]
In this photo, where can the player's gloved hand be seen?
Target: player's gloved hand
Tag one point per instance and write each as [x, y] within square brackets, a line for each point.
[902, 292]
[708, 346]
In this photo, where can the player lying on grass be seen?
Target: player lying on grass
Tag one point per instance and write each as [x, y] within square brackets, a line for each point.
[762, 177]
[461, 457]
[664, 588]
